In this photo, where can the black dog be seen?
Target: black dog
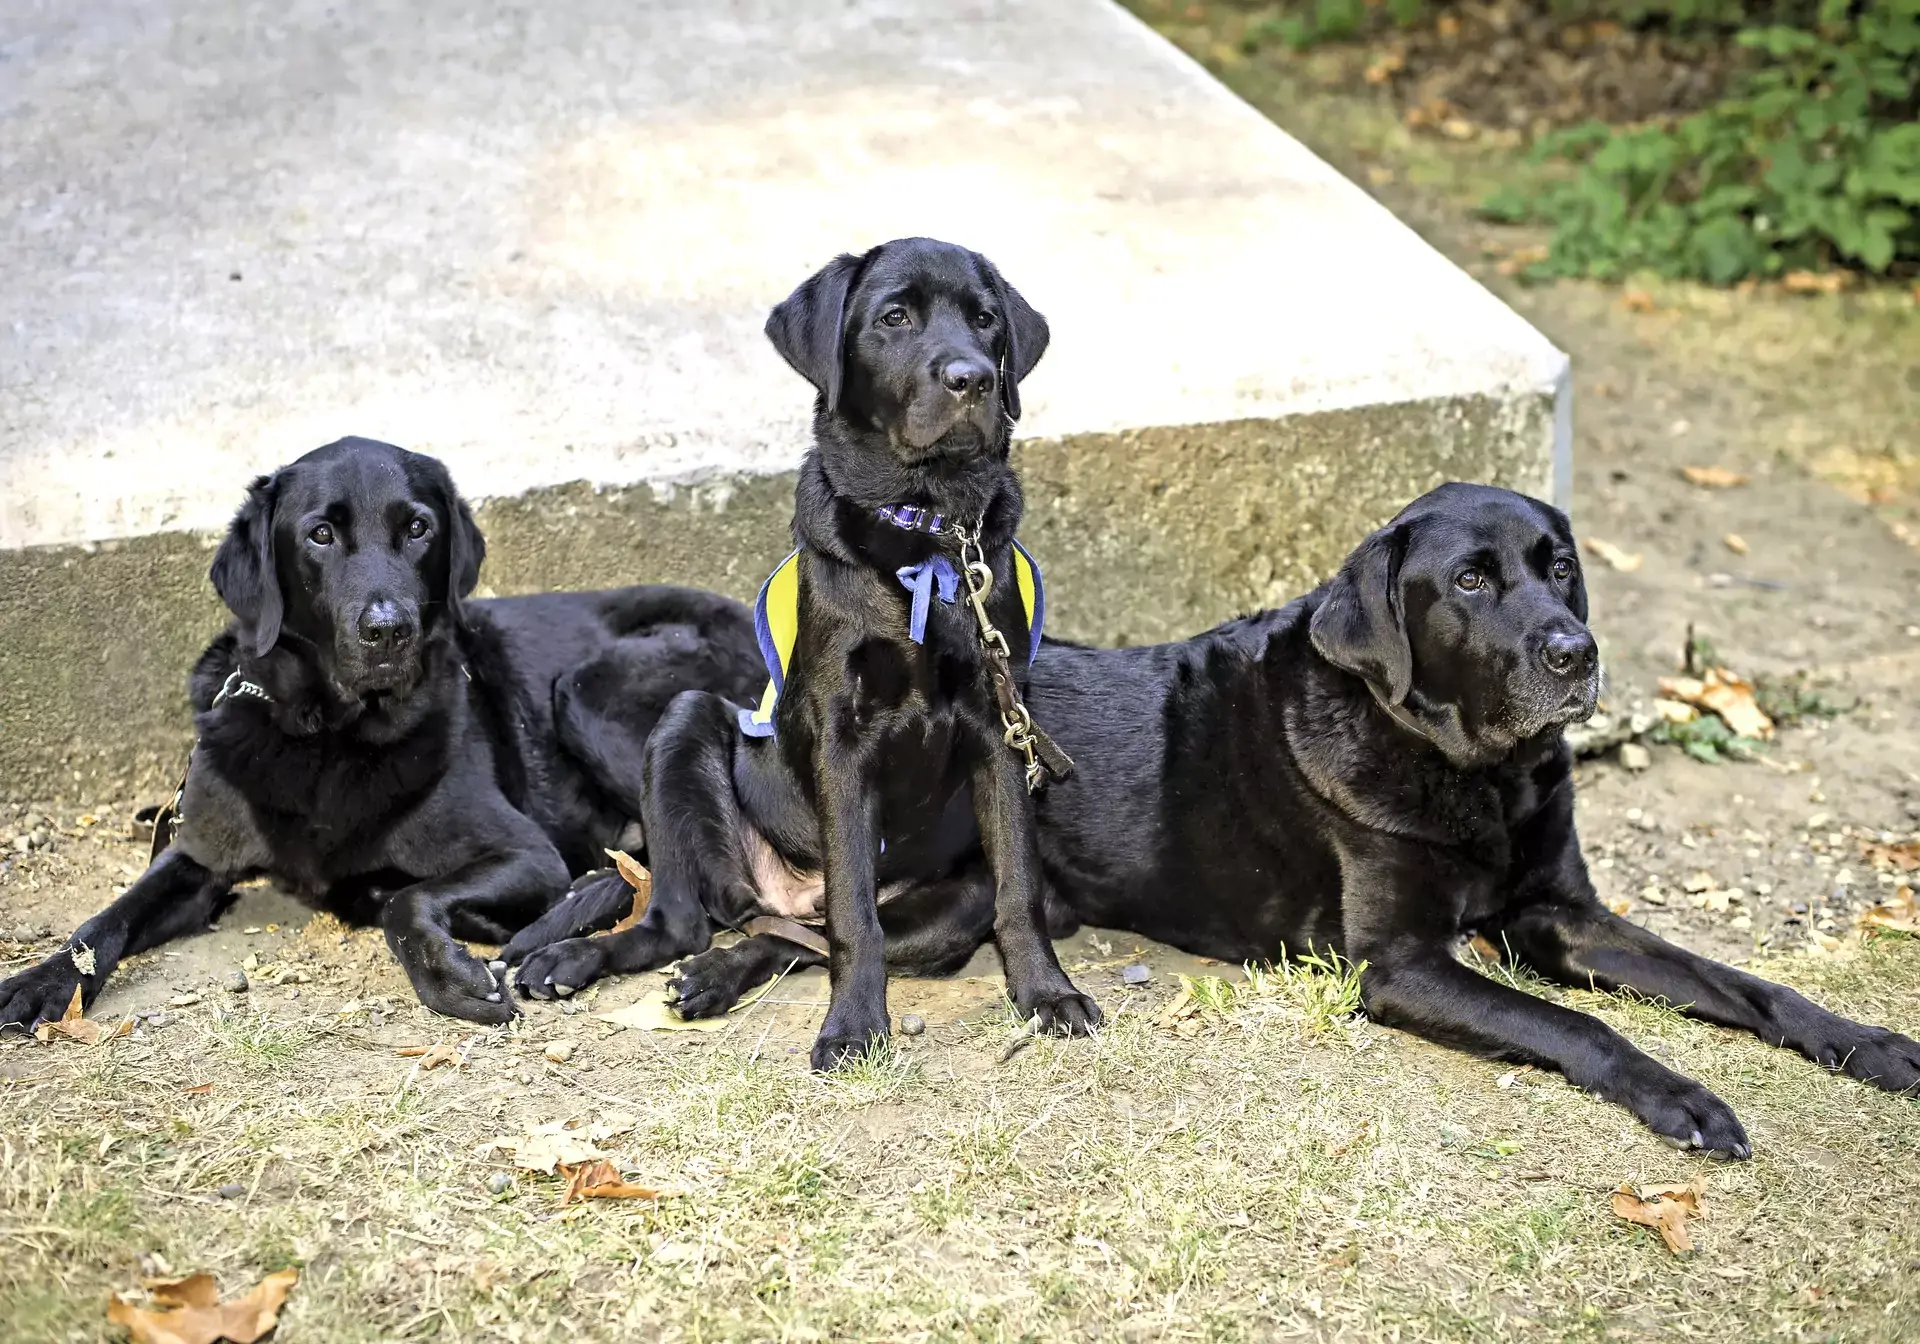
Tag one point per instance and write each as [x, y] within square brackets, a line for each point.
[392, 752]
[1377, 770]
[891, 766]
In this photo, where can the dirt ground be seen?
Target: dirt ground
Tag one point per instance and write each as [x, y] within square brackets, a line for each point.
[1254, 1164]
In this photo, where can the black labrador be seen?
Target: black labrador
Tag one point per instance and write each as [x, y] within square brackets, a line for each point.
[888, 773]
[1377, 769]
[391, 750]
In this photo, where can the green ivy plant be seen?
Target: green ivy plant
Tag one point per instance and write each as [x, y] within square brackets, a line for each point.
[1812, 161]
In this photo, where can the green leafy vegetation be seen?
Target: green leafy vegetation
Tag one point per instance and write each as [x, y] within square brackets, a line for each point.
[1811, 161]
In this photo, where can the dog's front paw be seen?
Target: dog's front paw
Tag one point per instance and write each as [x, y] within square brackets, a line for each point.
[1873, 1055]
[1682, 1112]
[708, 984]
[850, 1034]
[1062, 1009]
[455, 983]
[39, 993]
[558, 969]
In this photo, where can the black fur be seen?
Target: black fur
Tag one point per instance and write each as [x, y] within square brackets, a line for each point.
[1377, 770]
[422, 764]
[916, 350]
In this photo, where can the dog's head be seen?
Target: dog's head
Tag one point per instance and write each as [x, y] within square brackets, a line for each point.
[357, 556]
[920, 341]
[1467, 610]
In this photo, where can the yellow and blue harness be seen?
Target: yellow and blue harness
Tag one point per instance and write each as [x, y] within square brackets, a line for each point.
[776, 612]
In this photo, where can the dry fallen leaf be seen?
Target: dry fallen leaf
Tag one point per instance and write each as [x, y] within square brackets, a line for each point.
[1725, 693]
[72, 1024]
[198, 1090]
[642, 883]
[1386, 67]
[1617, 557]
[1637, 301]
[655, 1014]
[1903, 857]
[430, 1056]
[1814, 282]
[559, 1143]
[600, 1179]
[1896, 914]
[195, 1314]
[1664, 1208]
[1713, 478]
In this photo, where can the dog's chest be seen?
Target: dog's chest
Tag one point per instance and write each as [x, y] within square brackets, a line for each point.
[322, 807]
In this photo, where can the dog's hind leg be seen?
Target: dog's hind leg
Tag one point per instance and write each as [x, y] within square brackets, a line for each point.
[176, 896]
[701, 871]
[932, 930]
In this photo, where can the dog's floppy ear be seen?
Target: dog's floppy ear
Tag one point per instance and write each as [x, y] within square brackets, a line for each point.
[243, 570]
[1360, 626]
[809, 326]
[466, 546]
[1027, 337]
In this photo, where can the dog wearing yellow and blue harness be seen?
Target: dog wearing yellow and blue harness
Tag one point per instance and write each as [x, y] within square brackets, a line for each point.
[885, 777]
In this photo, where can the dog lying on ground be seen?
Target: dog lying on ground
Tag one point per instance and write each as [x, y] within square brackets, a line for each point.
[1378, 770]
[891, 785]
[390, 750]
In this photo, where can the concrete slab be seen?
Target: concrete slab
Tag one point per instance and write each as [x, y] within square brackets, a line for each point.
[539, 241]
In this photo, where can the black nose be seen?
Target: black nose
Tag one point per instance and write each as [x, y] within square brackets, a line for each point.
[384, 626]
[967, 377]
[1569, 654]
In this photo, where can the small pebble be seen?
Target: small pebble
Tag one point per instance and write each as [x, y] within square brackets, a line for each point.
[236, 983]
[560, 1051]
[1633, 756]
[912, 1024]
[499, 1183]
[1136, 975]
[231, 1190]
[158, 1020]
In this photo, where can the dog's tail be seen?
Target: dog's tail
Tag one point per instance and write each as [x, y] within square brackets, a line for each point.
[597, 901]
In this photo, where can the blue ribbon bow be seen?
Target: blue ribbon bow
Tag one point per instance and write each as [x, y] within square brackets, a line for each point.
[919, 580]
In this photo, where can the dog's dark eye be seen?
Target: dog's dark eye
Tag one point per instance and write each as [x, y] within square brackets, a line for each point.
[983, 320]
[322, 535]
[417, 528]
[1470, 581]
[1563, 569]
[894, 317]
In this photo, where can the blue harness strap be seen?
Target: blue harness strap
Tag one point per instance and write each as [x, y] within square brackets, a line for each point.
[776, 612]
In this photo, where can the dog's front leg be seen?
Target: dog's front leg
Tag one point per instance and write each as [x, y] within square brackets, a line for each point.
[502, 889]
[857, 954]
[175, 896]
[1035, 982]
[1581, 942]
[1396, 924]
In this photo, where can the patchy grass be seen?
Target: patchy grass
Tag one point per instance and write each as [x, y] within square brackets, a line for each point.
[1263, 1165]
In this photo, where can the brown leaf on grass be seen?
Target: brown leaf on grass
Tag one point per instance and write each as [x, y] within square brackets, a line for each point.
[602, 1180]
[72, 1024]
[195, 1290]
[1637, 301]
[559, 1143]
[197, 1316]
[1522, 259]
[1386, 67]
[1713, 478]
[1897, 914]
[1814, 282]
[1725, 693]
[1617, 557]
[197, 1090]
[1903, 857]
[430, 1056]
[642, 883]
[1665, 1208]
